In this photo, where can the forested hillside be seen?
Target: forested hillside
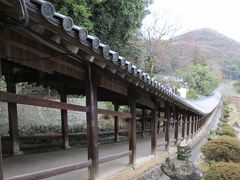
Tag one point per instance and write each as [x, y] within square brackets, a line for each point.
[205, 46]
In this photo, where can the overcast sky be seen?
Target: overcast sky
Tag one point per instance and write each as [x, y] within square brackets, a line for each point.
[221, 15]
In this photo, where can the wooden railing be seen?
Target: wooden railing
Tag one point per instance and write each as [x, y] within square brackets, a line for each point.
[35, 101]
[114, 156]
[52, 172]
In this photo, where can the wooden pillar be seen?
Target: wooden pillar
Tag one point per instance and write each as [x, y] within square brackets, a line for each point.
[132, 125]
[164, 122]
[167, 115]
[64, 122]
[92, 123]
[159, 122]
[154, 130]
[173, 122]
[199, 119]
[0, 64]
[195, 124]
[13, 121]
[116, 124]
[143, 122]
[192, 125]
[176, 118]
[203, 121]
[183, 124]
[1, 162]
[188, 125]
[200, 123]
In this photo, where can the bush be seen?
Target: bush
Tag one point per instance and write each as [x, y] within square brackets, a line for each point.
[226, 112]
[228, 130]
[237, 86]
[192, 94]
[225, 125]
[224, 148]
[223, 171]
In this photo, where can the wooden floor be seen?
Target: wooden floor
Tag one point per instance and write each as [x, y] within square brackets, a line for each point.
[16, 165]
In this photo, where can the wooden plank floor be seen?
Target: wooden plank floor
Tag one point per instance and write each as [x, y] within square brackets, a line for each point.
[16, 165]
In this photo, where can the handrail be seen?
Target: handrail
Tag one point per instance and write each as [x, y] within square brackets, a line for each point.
[52, 172]
[114, 156]
[35, 101]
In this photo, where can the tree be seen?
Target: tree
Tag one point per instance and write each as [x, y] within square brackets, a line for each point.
[114, 22]
[191, 94]
[79, 11]
[153, 37]
[200, 79]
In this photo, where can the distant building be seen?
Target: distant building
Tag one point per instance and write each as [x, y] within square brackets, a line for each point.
[173, 78]
[181, 91]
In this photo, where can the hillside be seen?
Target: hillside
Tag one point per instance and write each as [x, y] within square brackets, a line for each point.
[205, 46]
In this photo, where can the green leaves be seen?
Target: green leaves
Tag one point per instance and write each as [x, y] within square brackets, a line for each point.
[80, 11]
[236, 86]
[114, 22]
[199, 78]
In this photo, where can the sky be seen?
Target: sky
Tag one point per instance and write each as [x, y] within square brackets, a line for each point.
[220, 15]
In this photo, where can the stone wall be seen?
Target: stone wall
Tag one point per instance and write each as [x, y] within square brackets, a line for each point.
[33, 119]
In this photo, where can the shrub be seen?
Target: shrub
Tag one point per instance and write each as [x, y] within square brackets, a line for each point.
[237, 86]
[224, 148]
[226, 112]
[192, 94]
[223, 171]
[228, 130]
[225, 125]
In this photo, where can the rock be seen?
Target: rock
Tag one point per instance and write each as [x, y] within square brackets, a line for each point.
[181, 168]
[184, 150]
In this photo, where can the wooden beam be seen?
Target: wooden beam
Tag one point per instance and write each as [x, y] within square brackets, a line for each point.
[0, 67]
[114, 156]
[195, 124]
[13, 121]
[176, 117]
[144, 99]
[20, 45]
[64, 122]
[92, 123]
[154, 130]
[143, 122]
[188, 125]
[198, 121]
[52, 172]
[183, 124]
[35, 101]
[106, 80]
[1, 161]
[164, 118]
[192, 125]
[132, 125]
[116, 124]
[168, 117]
[158, 126]
[173, 122]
